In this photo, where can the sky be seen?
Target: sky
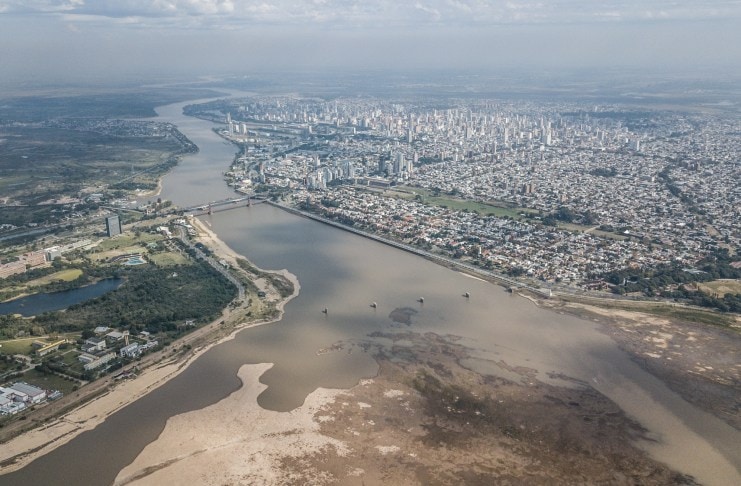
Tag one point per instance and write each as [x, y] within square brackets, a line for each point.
[102, 39]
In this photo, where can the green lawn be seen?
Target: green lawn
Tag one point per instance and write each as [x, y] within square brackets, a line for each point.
[167, 259]
[124, 244]
[499, 209]
[65, 275]
[486, 209]
[48, 381]
[17, 346]
[721, 287]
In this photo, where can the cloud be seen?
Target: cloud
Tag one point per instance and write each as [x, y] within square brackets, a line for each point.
[370, 13]
[434, 14]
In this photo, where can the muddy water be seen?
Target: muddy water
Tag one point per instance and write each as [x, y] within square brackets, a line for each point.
[197, 179]
[345, 273]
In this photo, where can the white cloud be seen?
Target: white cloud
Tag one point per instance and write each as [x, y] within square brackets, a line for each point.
[371, 13]
[434, 14]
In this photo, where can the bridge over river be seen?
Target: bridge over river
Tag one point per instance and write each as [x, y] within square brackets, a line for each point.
[223, 205]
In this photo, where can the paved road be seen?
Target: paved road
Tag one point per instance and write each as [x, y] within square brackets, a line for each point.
[216, 265]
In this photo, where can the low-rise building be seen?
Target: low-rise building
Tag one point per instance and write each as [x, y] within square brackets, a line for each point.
[32, 394]
[131, 351]
[98, 362]
[94, 345]
[44, 348]
[115, 336]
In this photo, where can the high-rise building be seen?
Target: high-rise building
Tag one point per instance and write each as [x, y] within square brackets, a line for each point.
[398, 163]
[113, 225]
[381, 165]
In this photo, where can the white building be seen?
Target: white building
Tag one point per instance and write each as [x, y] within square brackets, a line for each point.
[130, 351]
[100, 361]
[33, 394]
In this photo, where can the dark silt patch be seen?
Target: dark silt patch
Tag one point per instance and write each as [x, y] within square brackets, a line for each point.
[402, 315]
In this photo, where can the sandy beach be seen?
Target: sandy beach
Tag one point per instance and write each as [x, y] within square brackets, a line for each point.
[24, 448]
[408, 425]
[423, 420]
[233, 441]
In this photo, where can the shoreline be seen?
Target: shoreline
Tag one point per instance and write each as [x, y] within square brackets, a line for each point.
[256, 455]
[22, 449]
[156, 191]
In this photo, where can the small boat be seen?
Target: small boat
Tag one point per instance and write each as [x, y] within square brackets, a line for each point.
[421, 300]
[374, 305]
[467, 295]
[325, 311]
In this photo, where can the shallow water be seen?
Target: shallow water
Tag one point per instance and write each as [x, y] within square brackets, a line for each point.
[345, 273]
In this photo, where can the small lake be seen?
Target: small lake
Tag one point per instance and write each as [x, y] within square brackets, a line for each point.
[36, 304]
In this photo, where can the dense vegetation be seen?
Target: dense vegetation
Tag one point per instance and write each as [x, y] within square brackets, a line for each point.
[670, 281]
[283, 285]
[15, 284]
[41, 165]
[153, 299]
[133, 104]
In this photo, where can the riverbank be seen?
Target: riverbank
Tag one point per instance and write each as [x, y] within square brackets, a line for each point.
[699, 362]
[695, 351]
[234, 441]
[439, 259]
[425, 419]
[106, 396]
[389, 440]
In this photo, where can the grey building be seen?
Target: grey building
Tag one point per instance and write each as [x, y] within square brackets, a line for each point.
[113, 225]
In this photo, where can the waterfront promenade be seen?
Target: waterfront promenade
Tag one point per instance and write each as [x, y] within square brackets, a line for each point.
[501, 279]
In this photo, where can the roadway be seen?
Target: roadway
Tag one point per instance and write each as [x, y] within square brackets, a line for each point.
[417, 251]
[216, 265]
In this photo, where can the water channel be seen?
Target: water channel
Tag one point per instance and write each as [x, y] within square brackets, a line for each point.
[345, 273]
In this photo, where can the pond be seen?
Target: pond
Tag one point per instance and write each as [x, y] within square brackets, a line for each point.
[36, 304]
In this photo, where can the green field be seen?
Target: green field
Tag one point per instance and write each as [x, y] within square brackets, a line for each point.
[721, 287]
[167, 259]
[49, 381]
[494, 209]
[64, 275]
[499, 209]
[17, 346]
[124, 244]
[668, 310]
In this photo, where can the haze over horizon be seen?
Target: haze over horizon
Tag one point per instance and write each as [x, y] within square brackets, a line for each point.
[102, 40]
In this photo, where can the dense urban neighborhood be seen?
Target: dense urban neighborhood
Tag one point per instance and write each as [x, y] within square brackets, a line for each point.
[558, 193]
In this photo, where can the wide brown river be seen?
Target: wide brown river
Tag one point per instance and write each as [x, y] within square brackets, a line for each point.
[345, 273]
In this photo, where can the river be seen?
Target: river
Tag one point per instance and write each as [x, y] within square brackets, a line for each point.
[345, 273]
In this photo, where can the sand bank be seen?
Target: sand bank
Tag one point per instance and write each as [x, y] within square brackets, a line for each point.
[26, 447]
[233, 441]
